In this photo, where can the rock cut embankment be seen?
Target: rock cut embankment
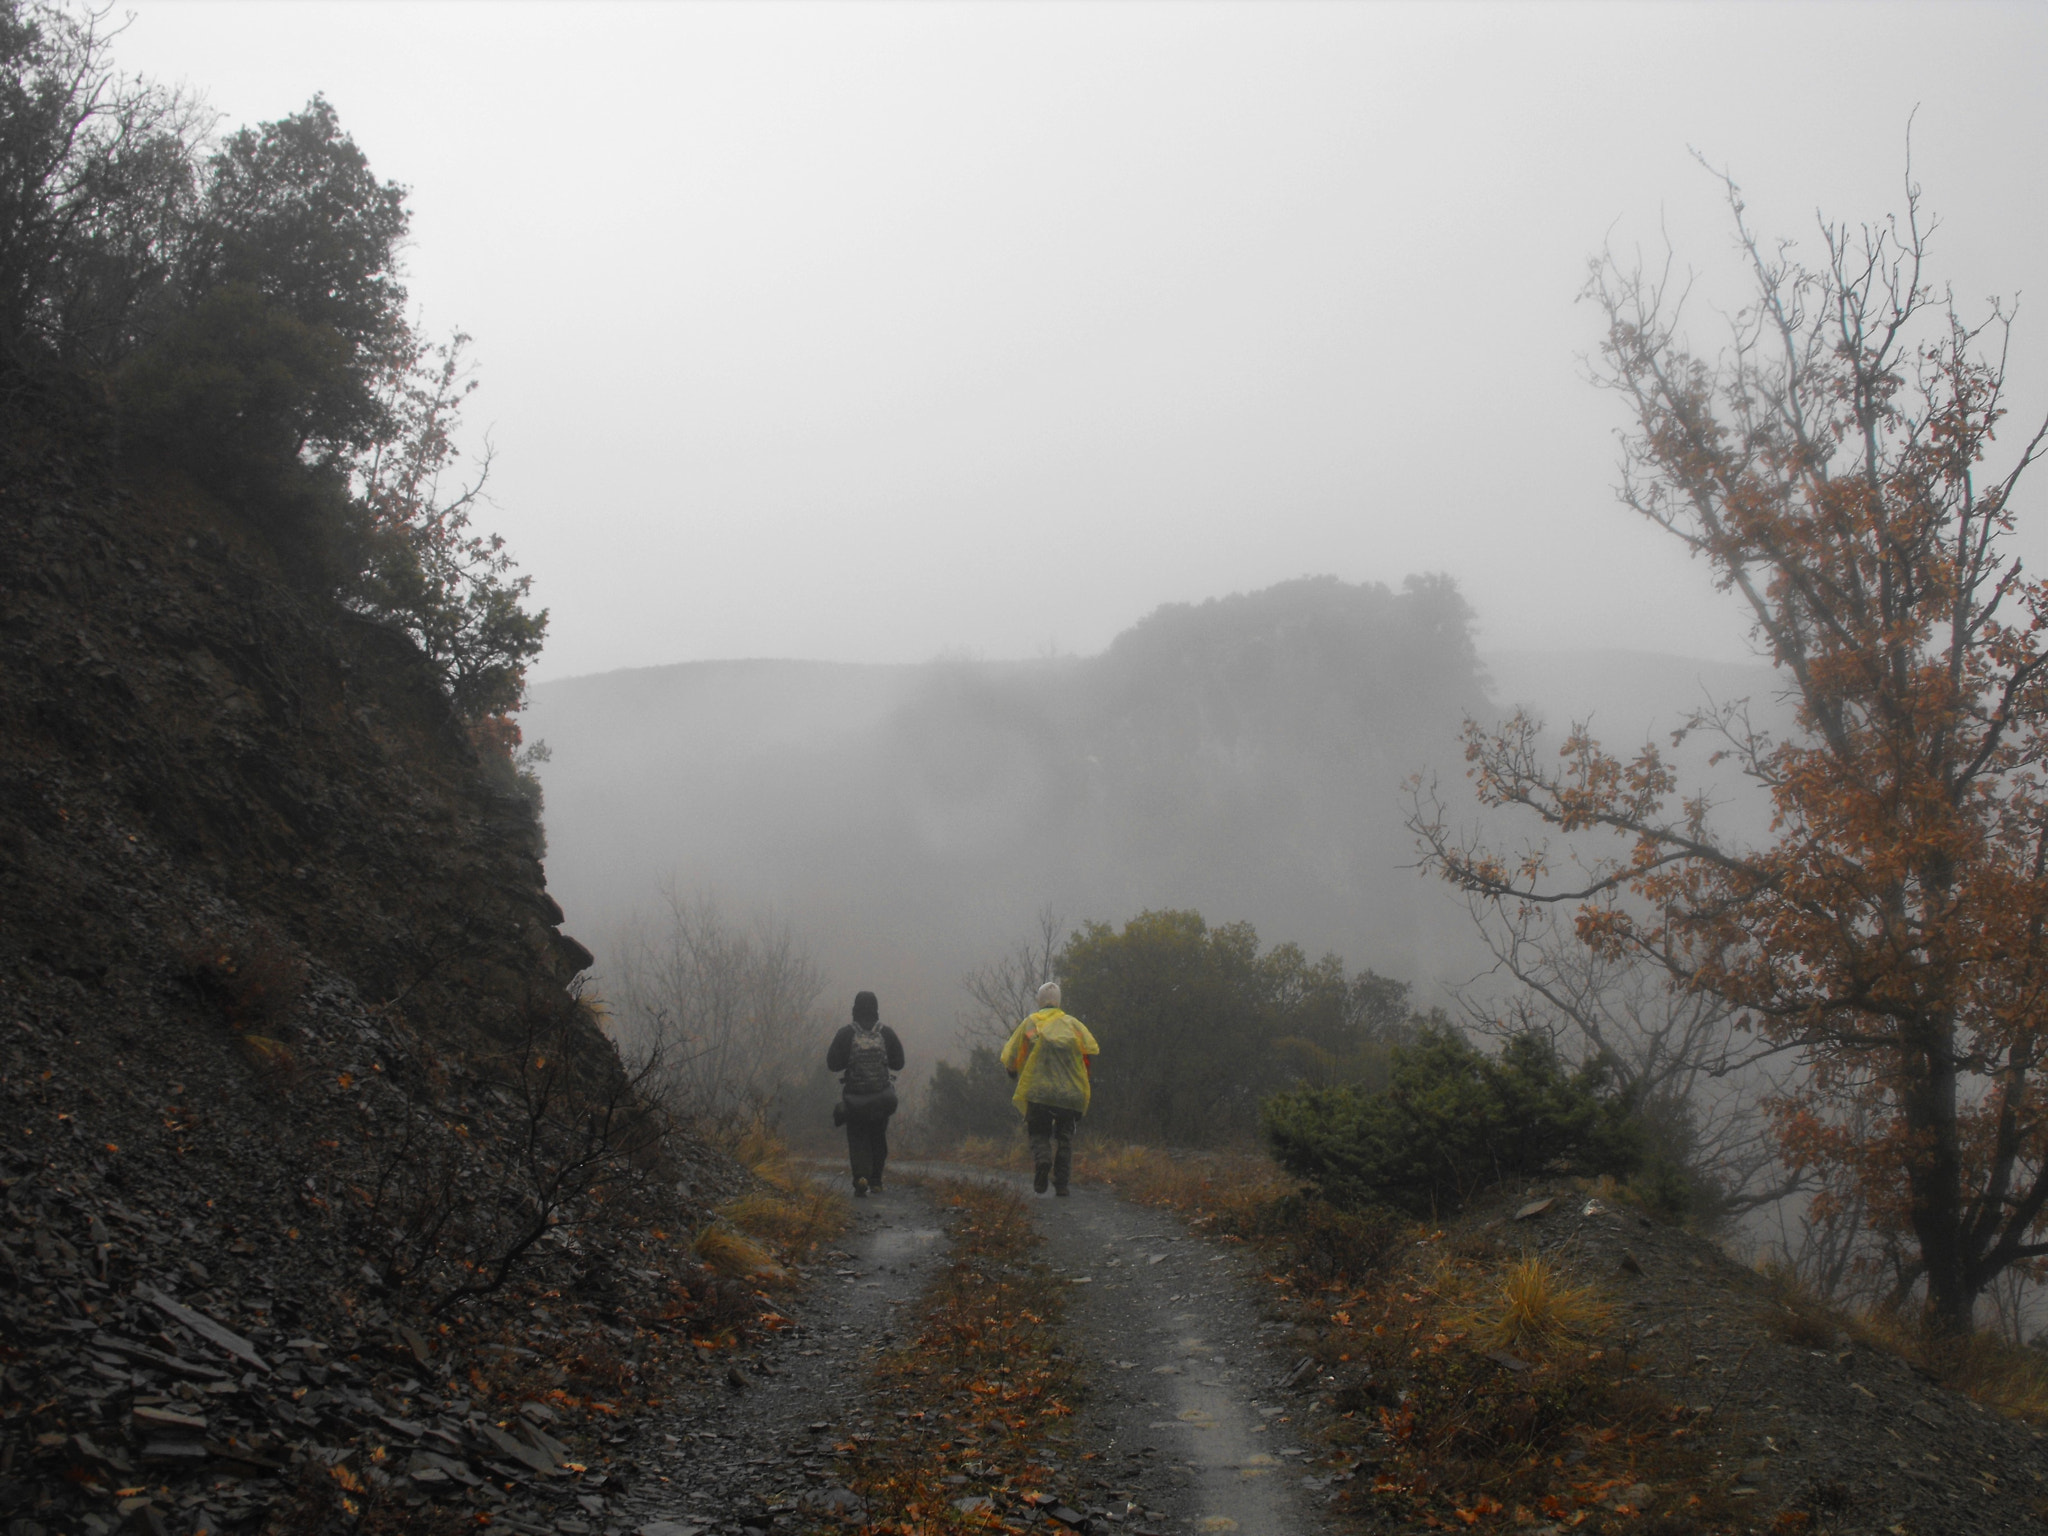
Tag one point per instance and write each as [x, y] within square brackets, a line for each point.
[291, 1072]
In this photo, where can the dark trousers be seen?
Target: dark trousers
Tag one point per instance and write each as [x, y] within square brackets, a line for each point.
[867, 1147]
[1051, 1130]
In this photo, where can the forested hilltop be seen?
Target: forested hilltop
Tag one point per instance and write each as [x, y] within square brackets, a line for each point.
[1244, 757]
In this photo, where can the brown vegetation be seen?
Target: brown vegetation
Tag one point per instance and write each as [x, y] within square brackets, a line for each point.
[1586, 1367]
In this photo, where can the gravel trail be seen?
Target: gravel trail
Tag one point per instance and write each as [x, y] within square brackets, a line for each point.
[758, 1455]
[1191, 1434]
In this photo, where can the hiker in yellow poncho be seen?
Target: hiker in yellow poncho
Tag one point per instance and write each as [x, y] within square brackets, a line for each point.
[1049, 1054]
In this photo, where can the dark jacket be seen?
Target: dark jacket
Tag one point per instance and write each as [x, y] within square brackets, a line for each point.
[841, 1052]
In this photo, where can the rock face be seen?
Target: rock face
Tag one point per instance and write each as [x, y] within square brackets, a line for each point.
[177, 722]
[281, 993]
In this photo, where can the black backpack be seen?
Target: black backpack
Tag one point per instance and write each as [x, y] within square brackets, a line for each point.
[867, 1068]
[866, 1081]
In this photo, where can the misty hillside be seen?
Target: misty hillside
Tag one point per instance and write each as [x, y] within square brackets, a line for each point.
[1243, 756]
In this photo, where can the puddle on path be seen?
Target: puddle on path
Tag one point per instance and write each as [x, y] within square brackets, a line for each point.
[887, 1244]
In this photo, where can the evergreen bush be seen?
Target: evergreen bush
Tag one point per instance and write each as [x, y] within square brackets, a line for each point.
[969, 1101]
[1451, 1122]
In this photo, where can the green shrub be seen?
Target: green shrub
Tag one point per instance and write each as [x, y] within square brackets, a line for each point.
[970, 1101]
[1199, 1024]
[1451, 1122]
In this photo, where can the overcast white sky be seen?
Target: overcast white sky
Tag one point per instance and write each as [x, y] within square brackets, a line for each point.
[872, 332]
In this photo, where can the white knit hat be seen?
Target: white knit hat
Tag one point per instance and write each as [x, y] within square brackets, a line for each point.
[1049, 995]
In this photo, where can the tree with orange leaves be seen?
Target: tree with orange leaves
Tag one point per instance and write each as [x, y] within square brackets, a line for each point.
[1834, 464]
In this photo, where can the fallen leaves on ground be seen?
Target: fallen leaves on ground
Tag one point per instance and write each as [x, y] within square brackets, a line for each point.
[981, 1388]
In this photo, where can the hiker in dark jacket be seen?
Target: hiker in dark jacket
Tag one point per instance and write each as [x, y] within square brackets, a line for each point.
[865, 1053]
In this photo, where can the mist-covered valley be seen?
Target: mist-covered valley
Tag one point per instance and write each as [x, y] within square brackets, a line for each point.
[1246, 757]
[1560, 1079]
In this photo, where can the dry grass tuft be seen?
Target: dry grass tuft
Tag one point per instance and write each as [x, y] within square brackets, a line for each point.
[598, 1014]
[762, 1153]
[1536, 1309]
[2002, 1375]
[730, 1252]
[1998, 1373]
[273, 1057]
[995, 1152]
[794, 1219]
[1401, 1318]
[2007, 1377]
[788, 1212]
[1798, 1317]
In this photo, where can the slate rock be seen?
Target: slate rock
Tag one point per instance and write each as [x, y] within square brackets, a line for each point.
[170, 1419]
[213, 1332]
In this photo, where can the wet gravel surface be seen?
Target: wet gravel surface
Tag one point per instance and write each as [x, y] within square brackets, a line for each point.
[1190, 1430]
[1186, 1411]
[755, 1451]
[1199, 1419]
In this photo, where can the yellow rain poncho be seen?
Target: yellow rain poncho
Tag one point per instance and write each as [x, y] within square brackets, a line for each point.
[1048, 1053]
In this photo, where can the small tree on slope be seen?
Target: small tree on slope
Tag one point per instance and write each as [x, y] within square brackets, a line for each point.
[1830, 464]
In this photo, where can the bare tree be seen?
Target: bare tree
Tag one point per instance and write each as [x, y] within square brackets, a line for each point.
[725, 1010]
[575, 1137]
[1003, 990]
[480, 1166]
[2016, 1305]
[1680, 1052]
[1823, 1241]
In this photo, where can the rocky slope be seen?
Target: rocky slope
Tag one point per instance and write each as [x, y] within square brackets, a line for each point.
[1797, 1419]
[298, 1112]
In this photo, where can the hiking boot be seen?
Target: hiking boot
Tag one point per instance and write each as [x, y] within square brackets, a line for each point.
[1040, 1177]
[860, 1188]
[1061, 1191]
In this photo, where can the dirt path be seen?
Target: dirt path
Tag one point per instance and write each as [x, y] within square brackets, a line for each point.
[1190, 1434]
[1184, 1409]
[759, 1455]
